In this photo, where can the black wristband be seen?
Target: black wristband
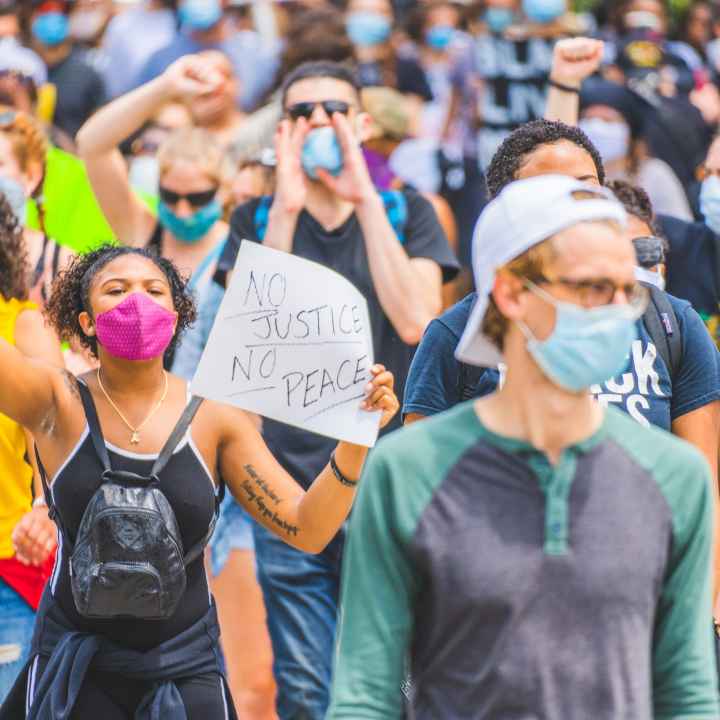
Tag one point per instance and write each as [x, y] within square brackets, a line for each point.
[564, 88]
[338, 473]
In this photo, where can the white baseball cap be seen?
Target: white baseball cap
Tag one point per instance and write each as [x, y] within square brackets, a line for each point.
[524, 214]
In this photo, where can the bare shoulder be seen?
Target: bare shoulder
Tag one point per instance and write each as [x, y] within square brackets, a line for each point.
[226, 422]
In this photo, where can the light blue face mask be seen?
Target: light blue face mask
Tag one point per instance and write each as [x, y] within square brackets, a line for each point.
[193, 228]
[587, 346]
[544, 11]
[200, 14]
[366, 29]
[710, 202]
[321, 150]
[15, 195]
[51, 28]
[440, 37]
[499, 19]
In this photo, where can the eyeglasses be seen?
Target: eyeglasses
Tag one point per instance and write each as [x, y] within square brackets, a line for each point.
[306, 109]
[704, 172]
[196, 199]
[602, 291]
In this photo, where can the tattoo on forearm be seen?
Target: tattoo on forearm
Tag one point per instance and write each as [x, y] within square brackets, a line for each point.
[262, 485]
[258, 501]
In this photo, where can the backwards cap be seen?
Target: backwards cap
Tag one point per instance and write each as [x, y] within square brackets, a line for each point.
[524, 214]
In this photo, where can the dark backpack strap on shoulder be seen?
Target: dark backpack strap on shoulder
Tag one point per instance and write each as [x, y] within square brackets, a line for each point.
[176, 435]
[662, 325]
[94, 425]
[53, 512]
[166, 453]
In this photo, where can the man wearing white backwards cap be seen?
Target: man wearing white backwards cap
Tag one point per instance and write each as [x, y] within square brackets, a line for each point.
[532, 554]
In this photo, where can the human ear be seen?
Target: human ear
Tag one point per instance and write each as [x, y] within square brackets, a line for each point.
[86, 324]
[32, 179]
[509, 294]
[363, 127]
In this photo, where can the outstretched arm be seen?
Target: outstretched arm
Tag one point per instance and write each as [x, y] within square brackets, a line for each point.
[28, 387]
[307, 520]
[99, 138]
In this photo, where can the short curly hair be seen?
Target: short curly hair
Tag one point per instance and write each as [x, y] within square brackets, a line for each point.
[13, 255]
[513, 152]
[71, 293]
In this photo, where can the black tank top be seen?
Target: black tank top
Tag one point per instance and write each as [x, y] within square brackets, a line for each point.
[190, 490]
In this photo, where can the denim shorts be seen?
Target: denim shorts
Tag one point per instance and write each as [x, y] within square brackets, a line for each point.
[232, 532]
[17, 620]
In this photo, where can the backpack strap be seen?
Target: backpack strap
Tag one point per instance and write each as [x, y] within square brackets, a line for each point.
[176, 435]
[94, 425]
[53, 512]
[162, 460]
[396, 209]
[262, 216]
[394, 201]
[662, 325]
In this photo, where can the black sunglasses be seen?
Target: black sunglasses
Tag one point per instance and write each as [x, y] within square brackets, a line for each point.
[196, 199]
[306, 109]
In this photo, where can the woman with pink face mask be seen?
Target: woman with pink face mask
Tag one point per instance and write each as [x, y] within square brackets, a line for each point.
[127, 625]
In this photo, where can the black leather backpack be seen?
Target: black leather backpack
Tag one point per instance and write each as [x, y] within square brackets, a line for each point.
[128, 558]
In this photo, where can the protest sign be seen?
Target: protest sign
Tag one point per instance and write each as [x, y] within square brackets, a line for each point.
[291, 342]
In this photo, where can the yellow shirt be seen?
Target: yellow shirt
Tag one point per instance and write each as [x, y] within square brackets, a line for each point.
[15, 472]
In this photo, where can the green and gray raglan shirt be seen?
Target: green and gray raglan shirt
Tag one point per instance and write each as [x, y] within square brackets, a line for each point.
[513, 589]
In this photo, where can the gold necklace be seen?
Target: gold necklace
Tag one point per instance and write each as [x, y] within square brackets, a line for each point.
[135, 437]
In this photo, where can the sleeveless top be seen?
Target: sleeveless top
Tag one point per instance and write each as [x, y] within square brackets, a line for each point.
[15, 472]
[189, 488]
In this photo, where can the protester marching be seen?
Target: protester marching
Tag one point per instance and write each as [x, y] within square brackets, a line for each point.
[248, 248]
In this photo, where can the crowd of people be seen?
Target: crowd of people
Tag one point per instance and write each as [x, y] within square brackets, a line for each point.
[527, 194]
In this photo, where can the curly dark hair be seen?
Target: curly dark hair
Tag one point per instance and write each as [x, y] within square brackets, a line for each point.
[13, 255]
[634, 199]
[71, 293]
[637, 203]
[514, 150]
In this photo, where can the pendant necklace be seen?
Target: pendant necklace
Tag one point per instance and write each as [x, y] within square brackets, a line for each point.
[135, 436]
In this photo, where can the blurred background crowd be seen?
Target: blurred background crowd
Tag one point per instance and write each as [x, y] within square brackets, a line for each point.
[444, 83]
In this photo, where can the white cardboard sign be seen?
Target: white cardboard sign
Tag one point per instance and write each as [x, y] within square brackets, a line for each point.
[292, 342]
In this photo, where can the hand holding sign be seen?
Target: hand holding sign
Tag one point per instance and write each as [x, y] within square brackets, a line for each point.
[292, 342]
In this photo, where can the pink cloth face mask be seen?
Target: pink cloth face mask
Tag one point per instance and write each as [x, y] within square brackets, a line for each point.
[136, 329]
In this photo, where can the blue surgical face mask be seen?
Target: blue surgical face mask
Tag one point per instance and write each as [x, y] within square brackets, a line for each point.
[366, 29]
[14, 193]
[587, 346]
[193, 228]
[544, 11]
[440, 37]
[321, 150]
[499, 19]
[200, 14]
[710, 202]
[51, 28]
